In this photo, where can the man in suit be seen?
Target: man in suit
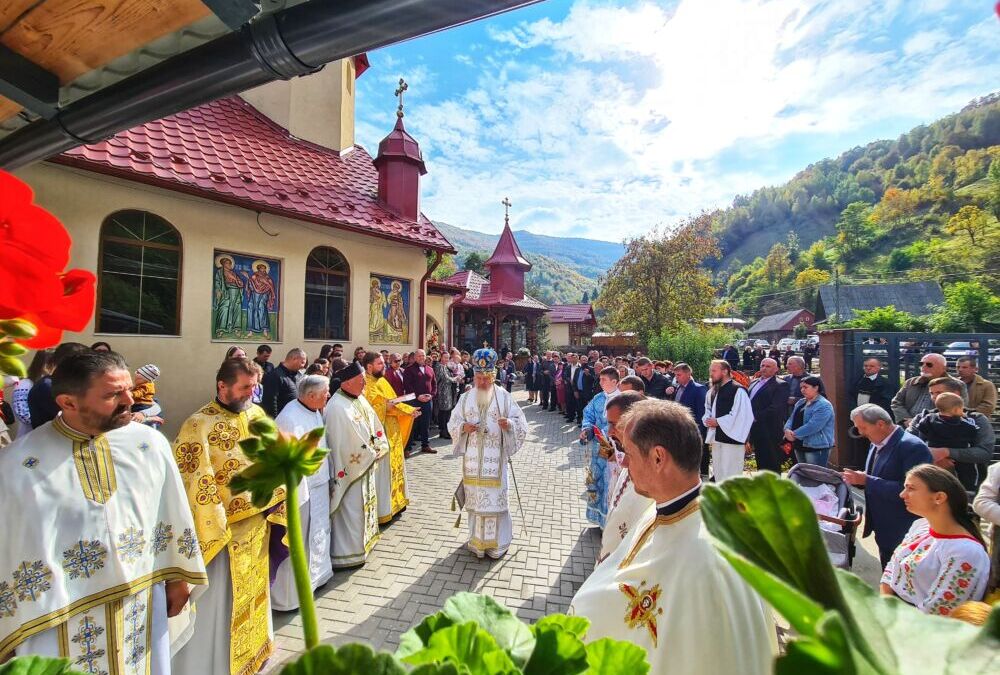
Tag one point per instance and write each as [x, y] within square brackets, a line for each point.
[569, 371]
[583, 387]
[691, 395]
[546, 385]
[769, 401]
[872, 387]
[731, 356]
[893, 452]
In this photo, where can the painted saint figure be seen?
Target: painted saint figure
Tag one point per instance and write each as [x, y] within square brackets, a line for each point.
[261, 297]
[397, 314]
[376, 310]
[228, 296]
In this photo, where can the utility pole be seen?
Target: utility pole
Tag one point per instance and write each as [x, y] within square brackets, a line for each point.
[836, 290]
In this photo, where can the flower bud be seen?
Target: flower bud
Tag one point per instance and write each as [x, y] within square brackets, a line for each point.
[18, 328]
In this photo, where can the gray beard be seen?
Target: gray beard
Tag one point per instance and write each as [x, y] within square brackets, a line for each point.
[484, 397]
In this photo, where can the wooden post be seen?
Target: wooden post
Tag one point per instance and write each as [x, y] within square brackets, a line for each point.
[833, 369]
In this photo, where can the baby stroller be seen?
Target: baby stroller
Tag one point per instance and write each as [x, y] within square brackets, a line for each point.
[839, 531]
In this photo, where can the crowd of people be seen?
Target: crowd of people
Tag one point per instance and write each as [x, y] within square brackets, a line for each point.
[146, 526]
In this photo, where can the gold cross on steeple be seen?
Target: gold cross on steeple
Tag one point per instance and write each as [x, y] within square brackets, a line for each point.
[506, 210]
[403, 86]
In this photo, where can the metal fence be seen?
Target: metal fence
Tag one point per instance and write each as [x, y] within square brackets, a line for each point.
[900, 354]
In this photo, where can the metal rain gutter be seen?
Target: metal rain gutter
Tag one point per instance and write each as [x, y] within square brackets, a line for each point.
[293, 42]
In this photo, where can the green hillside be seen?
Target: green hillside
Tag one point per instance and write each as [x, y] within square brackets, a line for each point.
[563, 268]
[923, 206]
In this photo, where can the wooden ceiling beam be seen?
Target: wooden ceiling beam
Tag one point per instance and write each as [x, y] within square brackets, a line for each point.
[29, 85]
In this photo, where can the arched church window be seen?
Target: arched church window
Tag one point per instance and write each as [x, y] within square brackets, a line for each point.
[328, 295]
[139, 275]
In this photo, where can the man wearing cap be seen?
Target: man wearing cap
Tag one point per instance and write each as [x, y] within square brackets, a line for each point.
[357, 441]
[488, 428]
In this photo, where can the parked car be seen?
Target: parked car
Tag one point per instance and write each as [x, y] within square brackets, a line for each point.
[956, 350]
[764, 344]
[785, 343]
[742, 344]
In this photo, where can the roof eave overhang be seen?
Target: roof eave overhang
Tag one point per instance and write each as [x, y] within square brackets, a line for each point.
[78, 163]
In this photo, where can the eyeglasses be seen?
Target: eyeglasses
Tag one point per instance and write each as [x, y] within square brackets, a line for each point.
[926, 364]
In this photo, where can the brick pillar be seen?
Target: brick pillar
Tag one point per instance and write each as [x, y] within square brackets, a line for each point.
[833, 345]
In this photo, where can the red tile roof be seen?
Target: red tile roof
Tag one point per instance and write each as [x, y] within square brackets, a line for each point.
[571, 313]
[227, 151]
[478, 294]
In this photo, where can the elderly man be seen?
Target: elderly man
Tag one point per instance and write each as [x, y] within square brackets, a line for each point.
[915, 396]
[982, 392]
[968, 463]
[233, 633]
[279, 384]
[419, 379]
[796, 367]
[357, 441]
[681, 601]
[769, 402]
[99, 539]
[298, 418]
[893, 452]
[872, 386]
[488, 428]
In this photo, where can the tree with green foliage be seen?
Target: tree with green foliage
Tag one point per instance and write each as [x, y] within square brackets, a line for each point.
[968, 306]
[853, 230]
[660, 281]
[993, 198]
[801, 331]
[445, 268]
[970, 221]
[585, 299]
[694, 345]
[886, 319]
[475, 262]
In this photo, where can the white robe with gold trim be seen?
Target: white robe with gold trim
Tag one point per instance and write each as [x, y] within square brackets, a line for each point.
[314, 507]
[356, 441]
[484, 466]
[625, 508]
[667, 589]
[96, 527]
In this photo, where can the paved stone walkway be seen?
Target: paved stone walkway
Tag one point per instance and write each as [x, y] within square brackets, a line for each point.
[420, 560]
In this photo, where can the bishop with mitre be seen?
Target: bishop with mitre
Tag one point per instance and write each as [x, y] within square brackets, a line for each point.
[357, 441]
[488, 428]
[665, 587]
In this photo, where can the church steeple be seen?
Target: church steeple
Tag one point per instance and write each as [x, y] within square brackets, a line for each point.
[400, 166]
[507, 265]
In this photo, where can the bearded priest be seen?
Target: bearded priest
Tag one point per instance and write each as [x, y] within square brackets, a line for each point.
[397, 421]
[665, 587]
[233, 631]
[298, 418]
[357, 441]
[488, 428]
[99, 544]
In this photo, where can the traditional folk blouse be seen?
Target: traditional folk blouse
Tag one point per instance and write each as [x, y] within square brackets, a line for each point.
[937, 572]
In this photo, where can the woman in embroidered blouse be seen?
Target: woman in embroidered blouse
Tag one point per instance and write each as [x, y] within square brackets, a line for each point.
[942, 561]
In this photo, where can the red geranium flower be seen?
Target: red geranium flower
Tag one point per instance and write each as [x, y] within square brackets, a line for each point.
[34, 251]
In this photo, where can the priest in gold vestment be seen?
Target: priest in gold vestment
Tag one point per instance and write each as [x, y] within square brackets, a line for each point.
[98, 543]
[397, 421]
[665, 587]
[232, 633]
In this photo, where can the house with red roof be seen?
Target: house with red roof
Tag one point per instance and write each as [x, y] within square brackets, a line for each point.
[496, 311]
[250, 220]
[571, 325]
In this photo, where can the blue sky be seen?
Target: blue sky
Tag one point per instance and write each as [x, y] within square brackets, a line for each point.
[605, 118]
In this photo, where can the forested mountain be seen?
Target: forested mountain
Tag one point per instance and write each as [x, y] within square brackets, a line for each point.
[922, 206]
[563, 268]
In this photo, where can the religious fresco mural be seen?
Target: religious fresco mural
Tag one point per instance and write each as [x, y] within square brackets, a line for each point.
[246, 297]
[389, 310]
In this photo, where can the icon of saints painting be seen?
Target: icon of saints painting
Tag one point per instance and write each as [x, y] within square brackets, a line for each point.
[389, 310]
[246, 296]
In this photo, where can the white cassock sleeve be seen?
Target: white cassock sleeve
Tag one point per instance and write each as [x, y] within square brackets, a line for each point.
[518, 431]
[737, 423]
[455, 422]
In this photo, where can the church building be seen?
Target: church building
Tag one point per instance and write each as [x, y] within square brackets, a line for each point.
[250, 220]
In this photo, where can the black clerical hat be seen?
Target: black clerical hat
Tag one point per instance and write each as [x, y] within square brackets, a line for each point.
[350, 371]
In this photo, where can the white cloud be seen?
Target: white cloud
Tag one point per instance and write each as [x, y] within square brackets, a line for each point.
[617, 118]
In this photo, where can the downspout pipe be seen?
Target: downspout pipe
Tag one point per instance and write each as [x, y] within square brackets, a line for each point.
[296, 41]
[422, 326]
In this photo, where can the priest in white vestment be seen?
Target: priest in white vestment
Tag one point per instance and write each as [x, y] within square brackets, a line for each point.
[728, 418]
[357, 441]
[298, 418]
[488, 428]
[625, 505]
[99, 546]
[665, 587]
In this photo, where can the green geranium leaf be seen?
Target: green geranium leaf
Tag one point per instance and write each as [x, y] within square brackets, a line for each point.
[37, 665]
[611, 657]
[557, 652]
[465, 645]
[353, 659]
[577, 625]
[439, 669]
[415, 639]
[513, 636]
